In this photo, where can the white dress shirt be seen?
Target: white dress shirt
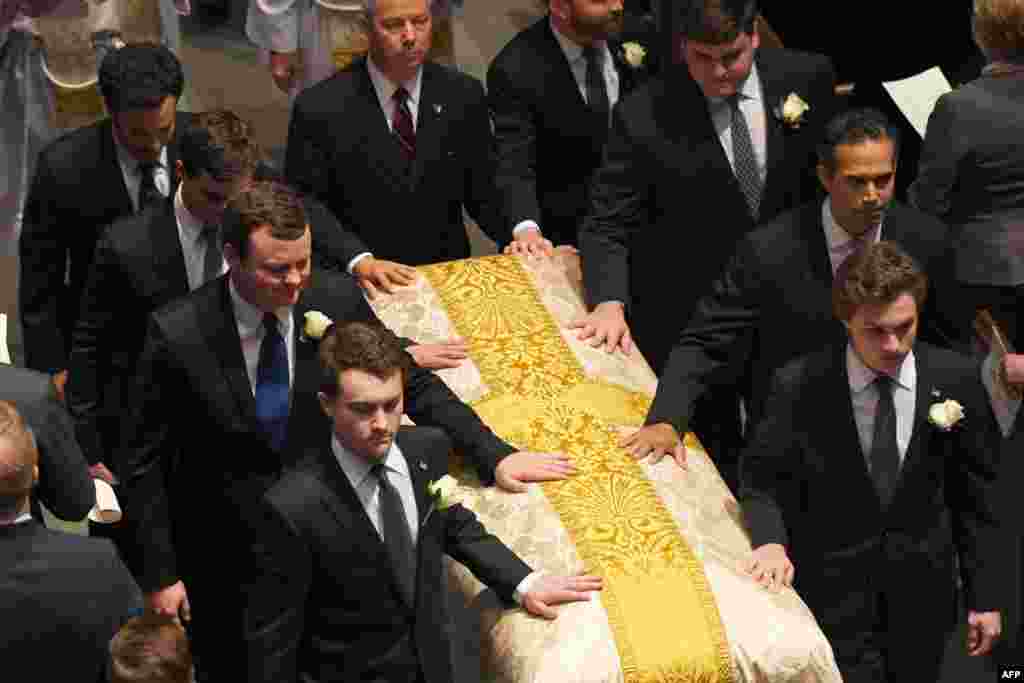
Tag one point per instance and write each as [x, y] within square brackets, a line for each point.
[864, 394]
[752, 106]
[251, 332]
[193, 244]
[133, 178]
[358, 470]
[842, 244]
[578, 64]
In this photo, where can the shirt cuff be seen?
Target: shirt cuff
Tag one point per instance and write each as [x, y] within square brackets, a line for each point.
[351, 267]
[524, 587]
[525, 225]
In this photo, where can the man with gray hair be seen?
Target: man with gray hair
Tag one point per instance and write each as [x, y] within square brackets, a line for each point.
[59, 593]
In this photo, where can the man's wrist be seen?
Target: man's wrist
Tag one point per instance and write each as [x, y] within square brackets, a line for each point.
[351, 267]
[524, 587]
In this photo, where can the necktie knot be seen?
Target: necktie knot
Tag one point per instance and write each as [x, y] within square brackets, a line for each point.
[270, 323]
[402, 124]
[149, 194]
[401, 96]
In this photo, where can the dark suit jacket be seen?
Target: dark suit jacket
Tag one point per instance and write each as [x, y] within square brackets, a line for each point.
[194, 450]
[773, 303]
[973, 179]
[78, 190]
[62, 598]
[65, 486]
[356, 168]
[806, 485]
[547, 151]
[324, 604]
[667, 210]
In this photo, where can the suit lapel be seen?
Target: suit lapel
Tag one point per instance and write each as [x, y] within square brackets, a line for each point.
[552, 53]
[819, 259]
[383, 151]
[771, 92]
[168, 258]
[217, 317]
[419, 474]
[109, 173]
[687, 123]
[916, 447]
[429, 122]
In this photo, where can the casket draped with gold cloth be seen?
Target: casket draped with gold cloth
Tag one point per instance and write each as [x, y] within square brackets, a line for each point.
[677, 606]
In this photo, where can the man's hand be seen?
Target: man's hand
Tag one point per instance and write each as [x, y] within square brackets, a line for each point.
[983, 630]
[383, 275]
[548, 591]
[770, 567]
[516, 469]
[100, 471]
[657, 441]
[171, 601]
[283, 68]
[449, 354]
[60, 379]
[1013, 368]
[606, 325]
[530, 242]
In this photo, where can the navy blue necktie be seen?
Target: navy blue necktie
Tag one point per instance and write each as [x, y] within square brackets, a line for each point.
[272, 383]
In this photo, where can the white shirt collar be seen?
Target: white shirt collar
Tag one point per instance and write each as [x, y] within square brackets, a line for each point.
[357, 468]
[386, 88]
[861, 376]
[130, 163]
[20, 519]
[750, 89]
[836, 236]
[249, 317]
[191, 227]
[573, 50]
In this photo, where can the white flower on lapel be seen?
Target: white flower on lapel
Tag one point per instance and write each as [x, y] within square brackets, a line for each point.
[791, 110]
[315, 325]
[945, 415]
[634, 54]
[442, 492]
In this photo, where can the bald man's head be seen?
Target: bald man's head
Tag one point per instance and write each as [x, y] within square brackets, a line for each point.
[19, 468]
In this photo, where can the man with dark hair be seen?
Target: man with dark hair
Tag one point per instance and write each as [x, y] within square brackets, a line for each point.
[226, 397]
[551, 91]
[695, 159]
[348, 582]
[873, 466]
[771, 304]
[86, 180]
[150, 648]
[62, 596]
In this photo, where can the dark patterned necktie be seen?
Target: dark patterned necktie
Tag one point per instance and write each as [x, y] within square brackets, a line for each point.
[272, 383]
[743, 158]
[885, 452]
[396, 534]
[149, 195]
[597, 89]
[401, 123]
[214, 259]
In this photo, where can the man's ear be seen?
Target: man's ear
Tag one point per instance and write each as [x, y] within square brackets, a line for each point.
[179, 170]
[326, 404]
[35, 475]
[231, 255]
[824, 177]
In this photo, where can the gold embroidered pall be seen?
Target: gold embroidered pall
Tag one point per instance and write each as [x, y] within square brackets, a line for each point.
[668, 542]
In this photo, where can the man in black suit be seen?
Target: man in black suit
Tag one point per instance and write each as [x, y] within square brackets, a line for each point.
[347, 573]
[773, 301]
[415, 149]
[872, 469]
[551, 91]
[703, 144]
[62, 596]
[64, 486]
[226, 397]
[86, 180]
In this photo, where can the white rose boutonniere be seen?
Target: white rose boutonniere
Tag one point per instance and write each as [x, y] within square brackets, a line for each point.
[442, 491]
[634, 54]
[945, 415]
[791, 110]
[315, 325]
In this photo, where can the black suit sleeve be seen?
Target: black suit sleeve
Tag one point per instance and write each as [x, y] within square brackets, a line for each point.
[43, 253]
[714, 346]
[307, 165]
[145, 459]
[516, 136]
[65, 486]
[770, 465]
[971, 491]
[334, 247]
[490, 560]
[276, 592]
[619, 205]
[941, 153]
[90, 347]
[480, 195]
